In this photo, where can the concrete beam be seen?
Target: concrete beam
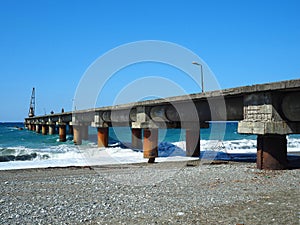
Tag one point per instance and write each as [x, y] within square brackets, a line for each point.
[291, 106]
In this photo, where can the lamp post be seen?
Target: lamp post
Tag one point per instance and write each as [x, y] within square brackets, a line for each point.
[201, 68]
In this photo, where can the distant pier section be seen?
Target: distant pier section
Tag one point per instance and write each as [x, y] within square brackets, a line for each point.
[271, 111]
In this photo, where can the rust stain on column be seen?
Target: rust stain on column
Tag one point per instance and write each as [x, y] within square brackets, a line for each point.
[271, 152]
[62, 133]
[76, 135]
[193, 142]
[102, 136]
[136, 138]
[150, 143]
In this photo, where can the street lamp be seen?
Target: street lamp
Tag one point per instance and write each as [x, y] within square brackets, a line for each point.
[201, 68]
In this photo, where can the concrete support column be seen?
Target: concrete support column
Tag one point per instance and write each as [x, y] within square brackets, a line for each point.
[62, 133]
[271, 152]
[51, 129]
[193, 142]
[77, 135]
[150, 144]
[102, 136]
[37, 128]
[44, 129]
[70, 131]
[85, 132]
[136, 138]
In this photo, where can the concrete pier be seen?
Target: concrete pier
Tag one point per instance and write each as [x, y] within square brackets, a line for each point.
[85, 132]
[44, 129]
[193, 142]
[70, 130]
[62, 133]
[77, 135]
[37, 128]
[272, 152]
[136, 138]
[150, 144]
[51, 129]
[270, 111]
[102, 133]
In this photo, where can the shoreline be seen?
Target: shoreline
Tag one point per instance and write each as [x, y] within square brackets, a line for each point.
[182, 192]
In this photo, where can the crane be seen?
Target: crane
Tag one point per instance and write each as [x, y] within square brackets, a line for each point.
[32, 104]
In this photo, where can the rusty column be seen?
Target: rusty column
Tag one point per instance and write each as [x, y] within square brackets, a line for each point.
[102, 136]
[136, 138]
[51, 129]
[271, 152]
[62, 133]
[44, 129]
[37, 128]
[77, 135]
[192, 142]
[150, 144]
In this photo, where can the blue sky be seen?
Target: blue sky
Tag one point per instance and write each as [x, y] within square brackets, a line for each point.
[49, 44]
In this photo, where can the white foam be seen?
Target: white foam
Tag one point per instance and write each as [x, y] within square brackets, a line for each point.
[88, 155]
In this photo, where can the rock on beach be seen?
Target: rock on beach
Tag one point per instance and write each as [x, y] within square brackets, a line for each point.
[160, 193]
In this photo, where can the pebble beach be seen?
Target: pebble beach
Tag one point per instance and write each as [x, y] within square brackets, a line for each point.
[187, 192]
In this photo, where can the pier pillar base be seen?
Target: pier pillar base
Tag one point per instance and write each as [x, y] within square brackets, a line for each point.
[136, 138]
[102, 136]
[51, 129]
[77, 135]
[150, 144]
[193, 142]
[85, 132]
[62, 133]
[44, 129]
[271, 152]
[37, 128]
[32, 128]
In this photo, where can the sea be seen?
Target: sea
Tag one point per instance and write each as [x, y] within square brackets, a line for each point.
[21, 148]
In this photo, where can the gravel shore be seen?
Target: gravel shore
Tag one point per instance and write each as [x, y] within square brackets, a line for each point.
[161, 193]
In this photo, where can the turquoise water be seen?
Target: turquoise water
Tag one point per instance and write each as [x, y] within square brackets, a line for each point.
[19, 144]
